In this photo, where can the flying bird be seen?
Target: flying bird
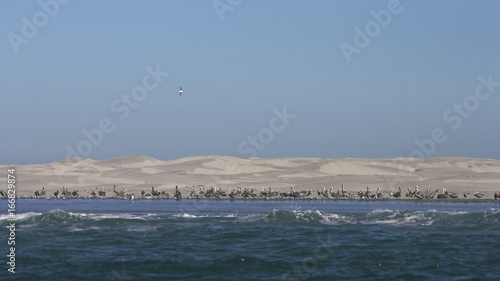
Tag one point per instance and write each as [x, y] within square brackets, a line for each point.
[180, 92]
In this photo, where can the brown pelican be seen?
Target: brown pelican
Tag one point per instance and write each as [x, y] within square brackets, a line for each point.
[101, 192]
[479, 195]
[223, 193]
[324, 192]
[144, 195]
[361, 195]
[130, 196]
[154, 192]
[368, 193]
[119, 193]
[66, 192]
[417, 193]
[177, 193]
[497, 195]
[262, 192]
[56, 194]
[444, 194]
[397, 194]
[431, 195]
[40, 193]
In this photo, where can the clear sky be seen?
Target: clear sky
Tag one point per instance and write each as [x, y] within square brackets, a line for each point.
[365, 79]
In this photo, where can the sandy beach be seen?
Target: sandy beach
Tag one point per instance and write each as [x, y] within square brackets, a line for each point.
[457, 175]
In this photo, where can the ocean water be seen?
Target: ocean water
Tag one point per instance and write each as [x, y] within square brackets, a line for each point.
[253, 240]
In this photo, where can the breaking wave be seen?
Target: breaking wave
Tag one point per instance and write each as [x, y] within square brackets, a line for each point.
[489, 218]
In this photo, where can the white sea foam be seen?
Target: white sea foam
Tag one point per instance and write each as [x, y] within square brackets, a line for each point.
[21, 216]
[104, 216]
[186, 215]
[142, 229]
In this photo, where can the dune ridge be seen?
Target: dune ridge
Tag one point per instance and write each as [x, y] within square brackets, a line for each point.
[138, 172]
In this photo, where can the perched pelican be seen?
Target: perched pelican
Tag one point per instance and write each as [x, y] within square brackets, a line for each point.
[397, 194]
[180, 92]
[154, 192]
[101, 192]
[92, 193]
[122, 193]
[40, 193]
[66, 192]
[177, 193]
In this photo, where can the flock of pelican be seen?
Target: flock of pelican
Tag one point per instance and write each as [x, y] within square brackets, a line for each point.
[439, 194]
[239, 192]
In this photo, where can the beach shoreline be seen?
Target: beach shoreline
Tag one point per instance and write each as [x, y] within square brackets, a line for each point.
[216, 177]
[447, 200]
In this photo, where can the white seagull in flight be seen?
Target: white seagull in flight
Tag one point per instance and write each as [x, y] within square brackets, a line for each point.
[180, 92]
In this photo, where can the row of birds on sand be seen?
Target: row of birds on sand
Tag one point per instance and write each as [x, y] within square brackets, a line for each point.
[439, 194]
[101, 193]
[240, 192]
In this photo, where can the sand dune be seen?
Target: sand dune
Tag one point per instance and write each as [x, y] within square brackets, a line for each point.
[138, 173]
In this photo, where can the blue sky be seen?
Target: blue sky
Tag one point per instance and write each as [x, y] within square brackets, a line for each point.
[240, 66]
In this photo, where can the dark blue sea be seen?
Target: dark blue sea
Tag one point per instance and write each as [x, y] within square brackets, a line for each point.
[252, 240]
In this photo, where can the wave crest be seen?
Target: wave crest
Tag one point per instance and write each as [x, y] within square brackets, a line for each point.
[489, 219]
[303, 217]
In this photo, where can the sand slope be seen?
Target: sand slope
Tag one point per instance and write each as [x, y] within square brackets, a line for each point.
[138, 173]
